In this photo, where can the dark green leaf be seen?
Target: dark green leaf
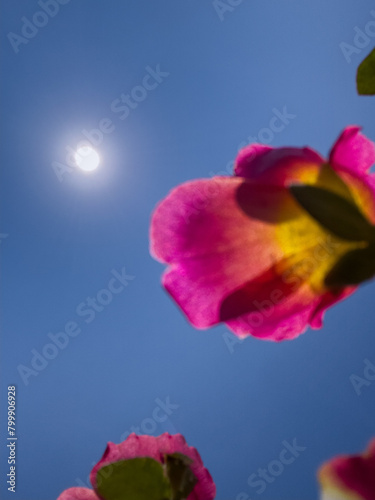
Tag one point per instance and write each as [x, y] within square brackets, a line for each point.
[135, 479]
[335, 213]
[366, 75]
[353, 268]
[329, 179]
[180, 475]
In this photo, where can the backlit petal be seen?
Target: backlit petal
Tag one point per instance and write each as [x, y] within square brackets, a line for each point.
[353, 151]
[351, 476]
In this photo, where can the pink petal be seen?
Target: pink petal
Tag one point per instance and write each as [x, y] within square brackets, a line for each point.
[156, 447]
[350, 476]
[353, 151]
[249, 160]
[351, 156]
[362, 188]
[278, 310]
[217, 235]
[78, 494]
[276, 165]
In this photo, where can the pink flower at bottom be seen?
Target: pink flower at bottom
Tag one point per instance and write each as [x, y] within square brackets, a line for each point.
[349, 477]
[157, 448]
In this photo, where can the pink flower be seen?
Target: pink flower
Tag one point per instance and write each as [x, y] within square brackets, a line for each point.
[268, 250]
[162, 449]
[349, 477]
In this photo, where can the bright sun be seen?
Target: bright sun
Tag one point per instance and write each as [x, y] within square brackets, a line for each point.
[87, 158]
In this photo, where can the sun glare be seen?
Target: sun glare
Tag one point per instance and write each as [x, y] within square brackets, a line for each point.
[87, 158]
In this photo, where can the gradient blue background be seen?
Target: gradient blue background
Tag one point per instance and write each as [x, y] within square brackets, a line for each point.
[64, 238]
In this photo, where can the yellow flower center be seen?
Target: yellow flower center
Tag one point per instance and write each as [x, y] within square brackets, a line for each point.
[311, 250]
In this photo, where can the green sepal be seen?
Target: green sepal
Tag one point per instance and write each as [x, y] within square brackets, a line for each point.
[353, 268]
[335, 213]
[134, 479]
[366, 75]
[180, 475]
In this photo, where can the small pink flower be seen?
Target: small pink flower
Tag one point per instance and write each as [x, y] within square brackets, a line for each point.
[157, 448]
[349, 477]
[245, 250]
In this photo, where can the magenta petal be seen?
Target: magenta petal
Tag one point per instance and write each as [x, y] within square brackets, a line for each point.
[276, 330]
[349, 476]
[275, 165]
[283, 318]
[78, 494]
[156, 447]
[260, 297]
[216, 237]
[266, 308]
[249, 158]
[281, 313]
[353, 151]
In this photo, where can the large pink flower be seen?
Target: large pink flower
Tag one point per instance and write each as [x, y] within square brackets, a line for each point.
[251, 250]
[161, 449]
[349, 477]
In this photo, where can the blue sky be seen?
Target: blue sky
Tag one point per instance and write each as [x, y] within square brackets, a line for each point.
[219, 80]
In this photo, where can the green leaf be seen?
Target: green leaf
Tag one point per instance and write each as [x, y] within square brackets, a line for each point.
[180, 475]
[329, 179]
[353, 268]
[134, 479]
[366, 75]
[335, 213]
